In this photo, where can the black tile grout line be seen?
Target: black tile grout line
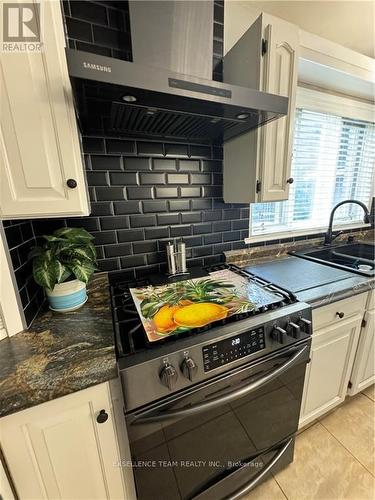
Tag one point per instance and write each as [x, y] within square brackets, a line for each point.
[26, 241]
[345, 448]
[368, 397]
[279, 485]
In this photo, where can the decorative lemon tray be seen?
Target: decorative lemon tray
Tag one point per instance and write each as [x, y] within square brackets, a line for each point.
[174, 308]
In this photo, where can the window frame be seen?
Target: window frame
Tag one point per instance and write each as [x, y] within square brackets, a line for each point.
[323, 102]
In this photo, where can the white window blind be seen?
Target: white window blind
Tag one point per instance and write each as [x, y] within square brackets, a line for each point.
[333, 160]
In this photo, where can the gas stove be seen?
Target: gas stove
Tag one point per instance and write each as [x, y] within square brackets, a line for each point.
[150, 371]
[225, 396]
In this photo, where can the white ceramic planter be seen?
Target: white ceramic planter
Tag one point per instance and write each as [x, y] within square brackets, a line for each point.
[67, 296]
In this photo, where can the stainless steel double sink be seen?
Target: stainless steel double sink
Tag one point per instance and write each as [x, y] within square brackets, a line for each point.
[358, 258]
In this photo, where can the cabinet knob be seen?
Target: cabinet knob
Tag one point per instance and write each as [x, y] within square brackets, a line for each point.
[102, 417]
[71, 183]
[340, 314]
[290, 180]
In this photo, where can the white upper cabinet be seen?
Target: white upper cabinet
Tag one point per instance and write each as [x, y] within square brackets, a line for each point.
[40, 148]
[258, 163]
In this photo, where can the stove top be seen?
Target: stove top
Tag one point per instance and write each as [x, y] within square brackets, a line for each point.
[131, 336]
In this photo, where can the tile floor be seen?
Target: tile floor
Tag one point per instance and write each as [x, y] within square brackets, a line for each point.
[334, 458]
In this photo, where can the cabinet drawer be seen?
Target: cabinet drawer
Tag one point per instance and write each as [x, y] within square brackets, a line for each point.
[327, 315]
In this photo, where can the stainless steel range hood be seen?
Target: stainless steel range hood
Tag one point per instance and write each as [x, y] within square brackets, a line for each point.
[150, 97]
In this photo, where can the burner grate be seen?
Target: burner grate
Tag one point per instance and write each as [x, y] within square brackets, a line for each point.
[130, 335]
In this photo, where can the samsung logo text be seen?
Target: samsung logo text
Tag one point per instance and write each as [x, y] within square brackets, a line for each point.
[97, 67]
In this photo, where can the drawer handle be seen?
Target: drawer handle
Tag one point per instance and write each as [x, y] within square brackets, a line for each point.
[340, 314]
[102, 417]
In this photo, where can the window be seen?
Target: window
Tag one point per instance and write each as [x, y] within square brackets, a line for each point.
[333, 160]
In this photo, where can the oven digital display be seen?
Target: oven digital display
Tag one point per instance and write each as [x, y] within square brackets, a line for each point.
[228, 350]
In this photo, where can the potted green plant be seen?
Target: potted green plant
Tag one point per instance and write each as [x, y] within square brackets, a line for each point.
[63, 266]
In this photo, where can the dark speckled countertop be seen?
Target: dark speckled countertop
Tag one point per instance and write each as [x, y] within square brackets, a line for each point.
[60, 353]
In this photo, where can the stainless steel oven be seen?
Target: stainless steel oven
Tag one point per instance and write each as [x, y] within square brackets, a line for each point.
[221, 437]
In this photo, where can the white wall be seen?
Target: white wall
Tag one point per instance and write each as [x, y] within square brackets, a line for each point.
[349, 23]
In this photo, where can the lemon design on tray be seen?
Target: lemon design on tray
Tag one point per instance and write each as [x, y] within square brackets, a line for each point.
[163, 319]
[199, 314]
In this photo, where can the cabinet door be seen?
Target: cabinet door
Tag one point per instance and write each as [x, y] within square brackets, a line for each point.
[58, 450]
[39, 141]
[6, 492]
[264, 154]
[363, 373]
[327, 375]
[279, 76]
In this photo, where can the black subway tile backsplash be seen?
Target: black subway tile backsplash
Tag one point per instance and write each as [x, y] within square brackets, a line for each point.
[126, 207]
[180, 231]
[191, 217]
[142, 220]
[120, 146]
[133, 261]
[164, 164]
[102, 208]
[79, 30]
[139, 193]
[202, 228]
[157, 232]
[150, 149]
[118, 222]
[123, 178]
[152, 178]
[190, 192]
[99, 162]
[88, 11]
[155, 206]
[176, 150]
[167, 219]
[97, 178]
[145, 247]
[130, 235]
[118, 250]
[20, 239]
[188, 165]
[104, 237]
[137, 164]
[166, 192]
[110, 193]
[178, 205]
[178, 179]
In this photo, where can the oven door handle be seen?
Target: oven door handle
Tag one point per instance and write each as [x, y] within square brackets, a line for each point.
[151, 417]
[255, 480]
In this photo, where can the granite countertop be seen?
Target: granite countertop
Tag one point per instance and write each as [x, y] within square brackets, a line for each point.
[60, 353]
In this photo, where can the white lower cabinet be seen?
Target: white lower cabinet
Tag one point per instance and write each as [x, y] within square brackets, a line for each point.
[58, 450]
[6, 492]
[333, 351]
[363, 373]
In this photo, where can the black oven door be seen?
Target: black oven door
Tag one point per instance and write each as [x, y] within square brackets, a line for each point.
[220, 438]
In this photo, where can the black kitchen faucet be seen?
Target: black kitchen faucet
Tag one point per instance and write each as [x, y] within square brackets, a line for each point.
[329, 236]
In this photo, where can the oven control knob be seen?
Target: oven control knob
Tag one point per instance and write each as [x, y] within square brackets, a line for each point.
[306, 325]
[189, 368]
[279, 334]
[294, 330]
[168, 376]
